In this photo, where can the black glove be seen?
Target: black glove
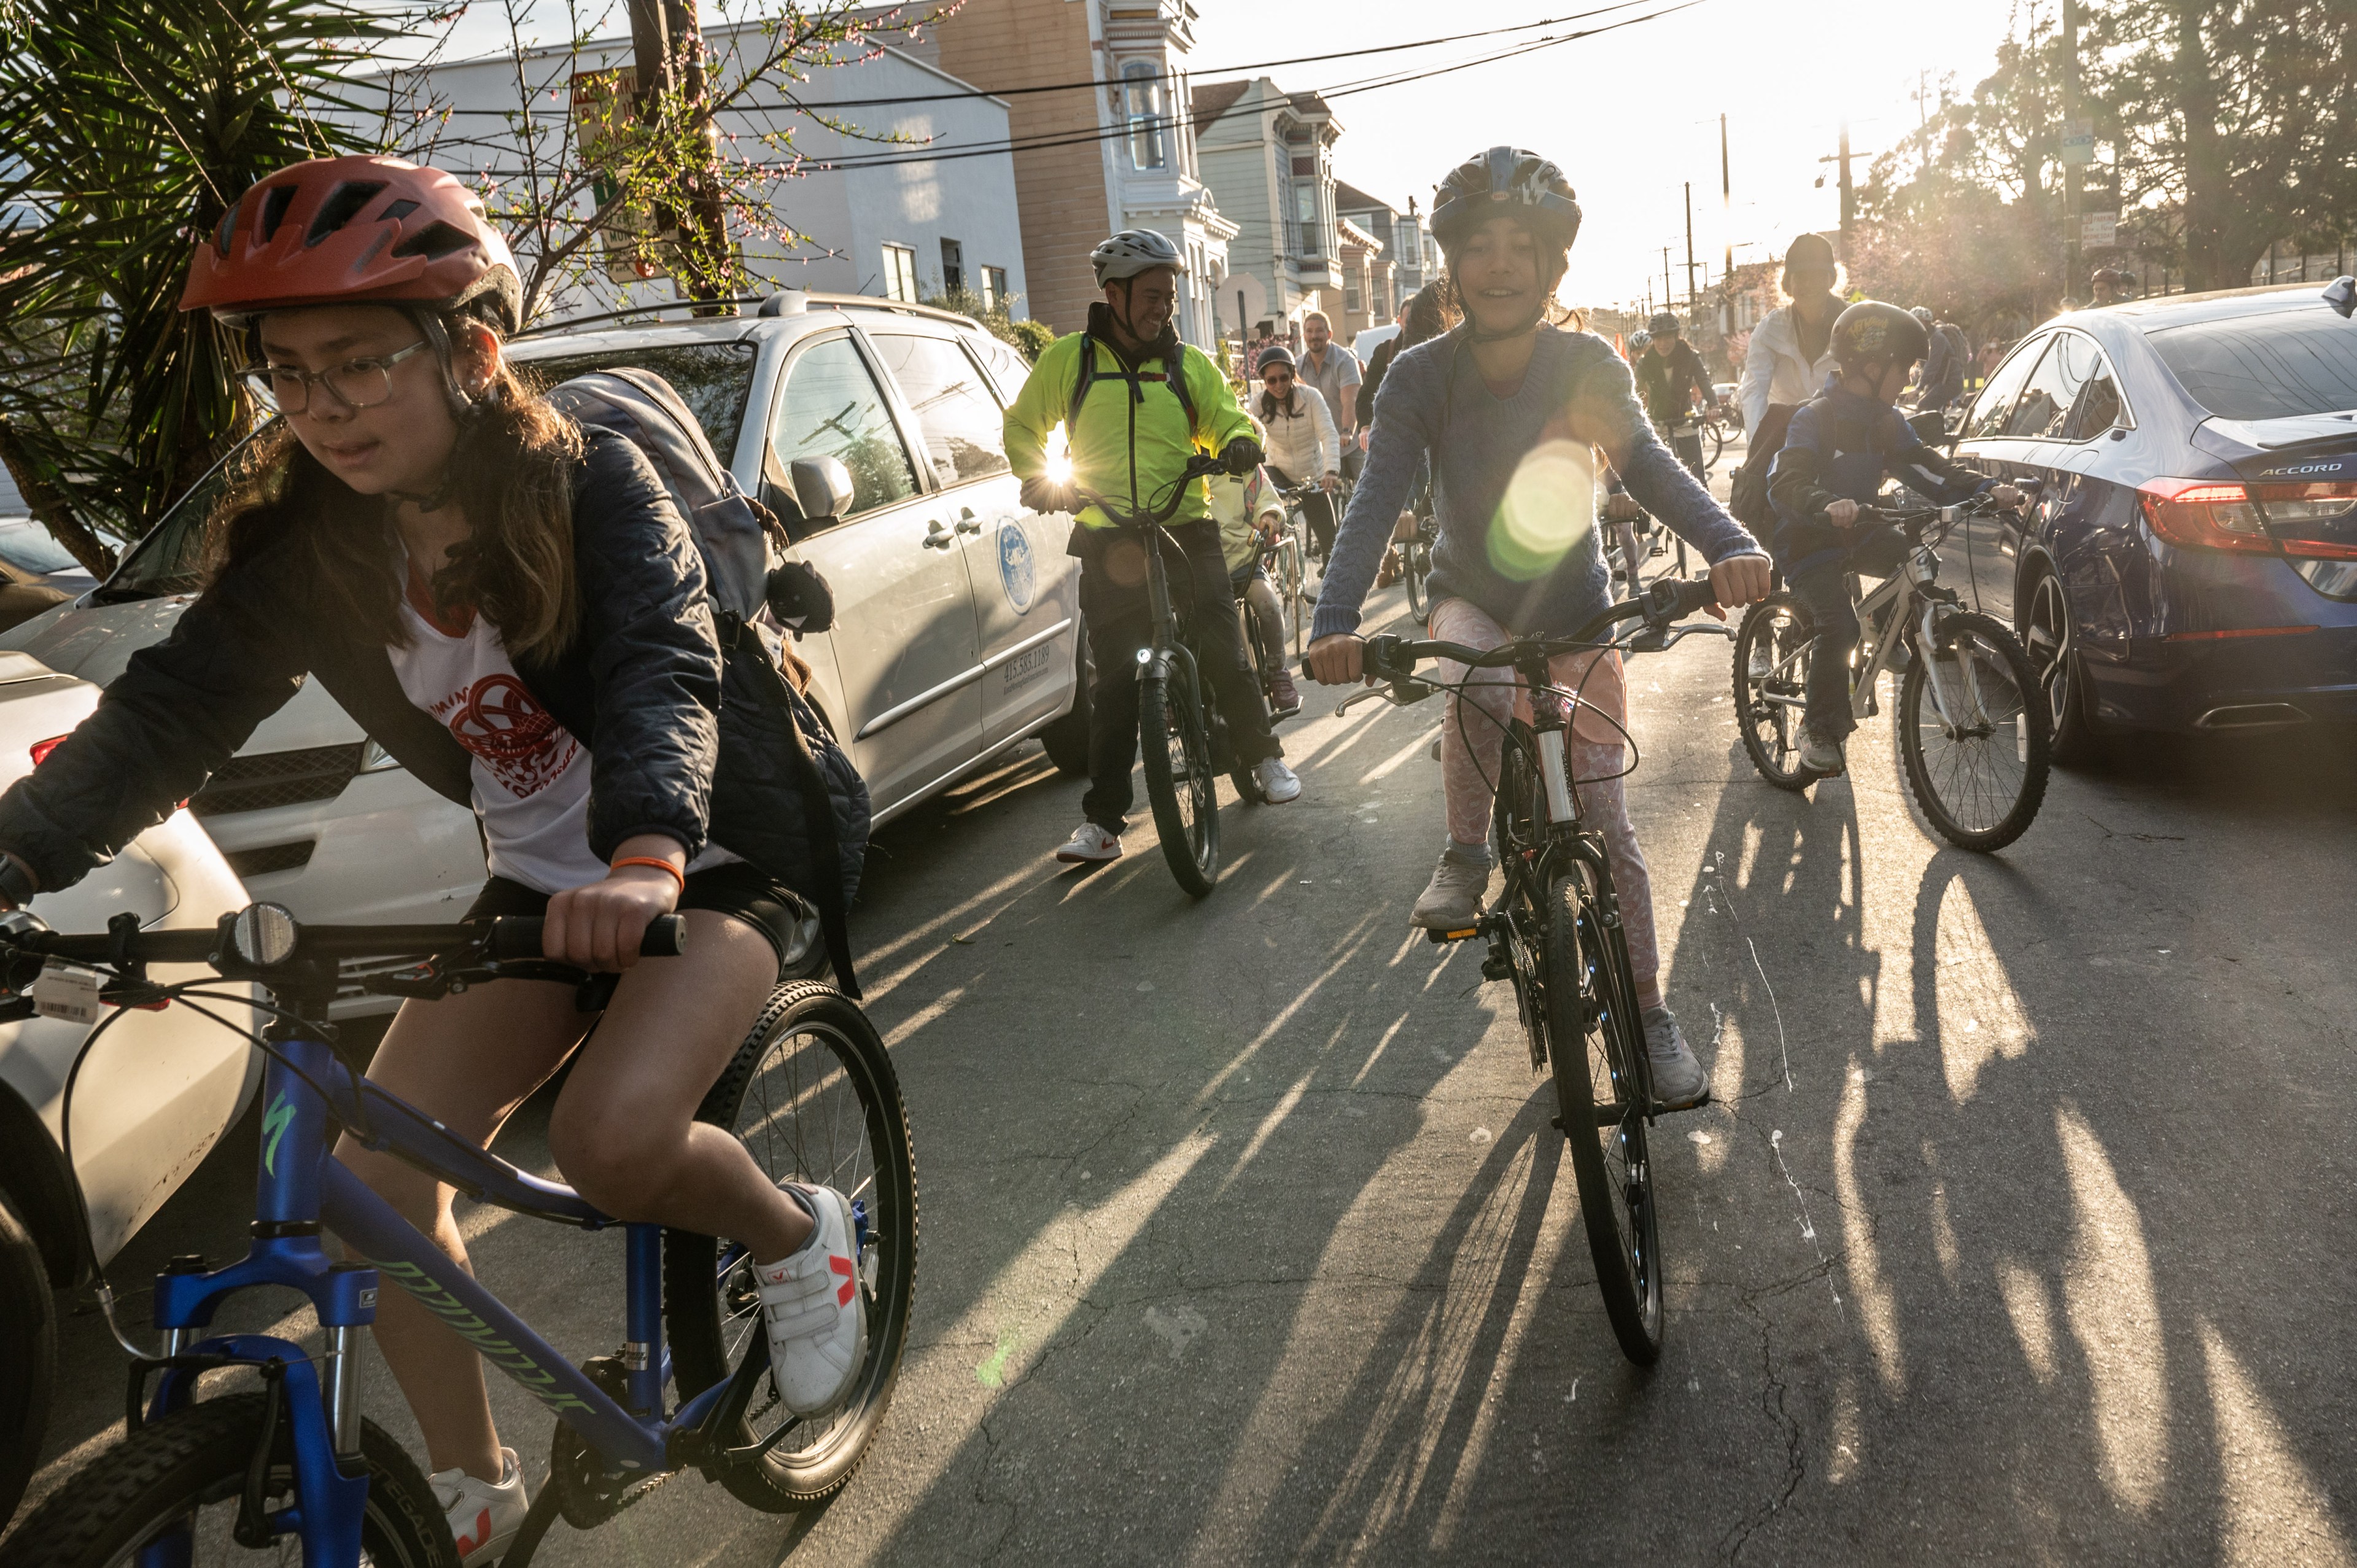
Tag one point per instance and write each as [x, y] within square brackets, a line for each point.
[800, 598]
[1044, 495]
[1241, 456]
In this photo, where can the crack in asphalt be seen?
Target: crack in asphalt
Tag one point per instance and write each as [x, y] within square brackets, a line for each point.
[1772, 1405]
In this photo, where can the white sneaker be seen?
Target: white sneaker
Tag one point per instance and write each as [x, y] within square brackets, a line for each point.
[1277, 782]
[483, 1518]
[1089, 845]
[816, 1312]
[1822, 758]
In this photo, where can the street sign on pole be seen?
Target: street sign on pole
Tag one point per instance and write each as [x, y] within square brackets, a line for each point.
[2078, 142]
[2099, 231]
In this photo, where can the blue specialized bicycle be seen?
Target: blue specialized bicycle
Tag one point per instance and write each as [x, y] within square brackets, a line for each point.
[294, 1466]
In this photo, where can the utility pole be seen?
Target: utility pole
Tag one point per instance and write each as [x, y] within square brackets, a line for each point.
[1849, 193]
[664, 36]
[1694, 296]
[2071, 152]
[1668, 294]
[1727, 231]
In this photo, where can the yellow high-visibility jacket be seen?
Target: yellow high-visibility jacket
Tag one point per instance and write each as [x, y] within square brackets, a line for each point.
[1132, 435]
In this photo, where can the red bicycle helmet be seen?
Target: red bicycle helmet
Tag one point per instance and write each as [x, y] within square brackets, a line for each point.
[354, 231]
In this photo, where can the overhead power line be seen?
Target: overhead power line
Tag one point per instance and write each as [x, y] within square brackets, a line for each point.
[1083, 86]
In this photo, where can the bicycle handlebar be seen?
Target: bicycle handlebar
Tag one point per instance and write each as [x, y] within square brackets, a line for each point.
[1201, 466]
[509, 938]
[1395, 658]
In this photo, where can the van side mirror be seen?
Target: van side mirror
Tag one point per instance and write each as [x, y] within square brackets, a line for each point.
[2342, 294]
[822, 486]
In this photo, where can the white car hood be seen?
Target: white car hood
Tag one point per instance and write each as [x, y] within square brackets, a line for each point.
[95, 641]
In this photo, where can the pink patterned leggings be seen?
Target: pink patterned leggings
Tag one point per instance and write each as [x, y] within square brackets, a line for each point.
[1472, 741]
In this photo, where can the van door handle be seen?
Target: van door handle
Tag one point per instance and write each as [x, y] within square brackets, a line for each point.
[967, 521]
[939, 536]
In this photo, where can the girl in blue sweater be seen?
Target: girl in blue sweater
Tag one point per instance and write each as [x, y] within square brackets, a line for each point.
[1511, 410]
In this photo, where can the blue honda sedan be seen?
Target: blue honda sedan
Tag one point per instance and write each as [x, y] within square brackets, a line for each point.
[2192, 559]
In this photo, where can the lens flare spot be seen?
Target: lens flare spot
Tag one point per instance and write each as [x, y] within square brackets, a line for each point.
[1548, 511]
[1058, 455]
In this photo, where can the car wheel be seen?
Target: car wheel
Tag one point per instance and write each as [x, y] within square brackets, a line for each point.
[2047, 637]
[1067, 739]
[28, 1328]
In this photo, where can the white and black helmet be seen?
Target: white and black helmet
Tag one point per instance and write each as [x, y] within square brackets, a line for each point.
[1135, 250]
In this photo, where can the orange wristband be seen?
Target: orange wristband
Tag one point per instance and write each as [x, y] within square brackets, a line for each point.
[677, 874]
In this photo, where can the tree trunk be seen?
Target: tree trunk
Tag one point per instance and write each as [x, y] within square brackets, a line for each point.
[2209, 196]
[53, 509]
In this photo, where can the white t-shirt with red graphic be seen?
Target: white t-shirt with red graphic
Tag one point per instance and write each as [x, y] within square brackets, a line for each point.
[530, 775]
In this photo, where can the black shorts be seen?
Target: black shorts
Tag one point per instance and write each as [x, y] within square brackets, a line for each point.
[739, 889]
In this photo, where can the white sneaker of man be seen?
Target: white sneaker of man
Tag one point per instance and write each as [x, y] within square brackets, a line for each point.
[484, 1516]
[1277, 782]
[1090, 844]
[1679, 1081]
[817, 1312]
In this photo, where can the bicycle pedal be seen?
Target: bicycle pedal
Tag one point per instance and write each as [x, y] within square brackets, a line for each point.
[1438, 937]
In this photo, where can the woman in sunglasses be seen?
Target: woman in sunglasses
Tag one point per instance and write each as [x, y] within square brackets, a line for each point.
[1302, 440]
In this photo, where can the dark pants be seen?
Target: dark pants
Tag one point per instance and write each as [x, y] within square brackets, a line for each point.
[1316, 510]
[1120, 621]
[1821, 585]
[1689, 451]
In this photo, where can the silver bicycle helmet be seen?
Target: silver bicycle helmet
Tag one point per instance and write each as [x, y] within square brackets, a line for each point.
[1505, 180]
[1922, 313]
[1135, 250]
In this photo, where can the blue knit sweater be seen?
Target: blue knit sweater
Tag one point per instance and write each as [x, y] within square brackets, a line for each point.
[1433, 400]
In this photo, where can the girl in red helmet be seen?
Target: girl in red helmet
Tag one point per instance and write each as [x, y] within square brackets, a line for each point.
[515, 611]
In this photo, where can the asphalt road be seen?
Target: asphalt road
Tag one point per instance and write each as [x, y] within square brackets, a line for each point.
[2022, 1232]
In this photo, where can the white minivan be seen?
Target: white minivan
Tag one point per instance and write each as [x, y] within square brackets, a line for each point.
[957, 629]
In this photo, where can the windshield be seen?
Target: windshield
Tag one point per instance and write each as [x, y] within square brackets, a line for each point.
[715, 380]
[29, 547]
[170, 559]
[2266, 367]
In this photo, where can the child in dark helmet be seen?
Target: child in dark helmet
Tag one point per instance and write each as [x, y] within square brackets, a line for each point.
[1840, 446]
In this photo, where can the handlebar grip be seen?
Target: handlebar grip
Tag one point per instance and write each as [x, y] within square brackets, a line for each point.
[1682, 597]
[518, 937]
[1382, 658]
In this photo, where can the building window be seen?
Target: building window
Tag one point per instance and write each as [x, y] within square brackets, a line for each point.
[1141, 92]
[993, 287]
[1305, 213]
[952, 266]
[900, 272]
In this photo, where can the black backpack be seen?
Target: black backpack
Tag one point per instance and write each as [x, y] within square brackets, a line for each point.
[1747, 489]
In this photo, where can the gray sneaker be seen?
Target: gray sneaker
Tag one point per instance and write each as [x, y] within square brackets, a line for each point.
[1452, 900]
[1679, 1082]
[1822, 758]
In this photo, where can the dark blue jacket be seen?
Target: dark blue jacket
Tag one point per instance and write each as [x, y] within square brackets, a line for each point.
[1841, 446]
[641, 685]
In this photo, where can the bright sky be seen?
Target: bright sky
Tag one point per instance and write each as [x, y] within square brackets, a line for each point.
[1630, 114]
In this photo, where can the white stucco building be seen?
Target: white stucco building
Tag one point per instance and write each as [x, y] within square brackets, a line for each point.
[843, 213]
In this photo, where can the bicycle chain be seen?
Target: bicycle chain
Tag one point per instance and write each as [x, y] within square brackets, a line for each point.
[587, 1494]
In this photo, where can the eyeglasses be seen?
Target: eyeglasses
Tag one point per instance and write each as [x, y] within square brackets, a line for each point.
[356, 384]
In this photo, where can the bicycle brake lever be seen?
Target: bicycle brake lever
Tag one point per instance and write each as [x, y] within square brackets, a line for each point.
[1365, 695]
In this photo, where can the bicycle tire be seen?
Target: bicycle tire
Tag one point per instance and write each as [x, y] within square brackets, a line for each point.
[29, 1321]
[711, 1306]
[1513, 823]
[1771, 728]
[2009, 809]
[1416, 570]
[187, 1472]
[1180, 782]
[1596, 1044]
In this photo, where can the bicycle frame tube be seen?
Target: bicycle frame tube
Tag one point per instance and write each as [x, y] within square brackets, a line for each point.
[1550, 724]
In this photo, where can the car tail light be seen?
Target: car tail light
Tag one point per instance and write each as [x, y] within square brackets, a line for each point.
[2205, 515]
[41, 748]
[2266, 519]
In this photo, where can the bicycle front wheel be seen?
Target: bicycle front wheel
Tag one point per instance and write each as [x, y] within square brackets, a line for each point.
[813, 1097]
[170, 1493]
[1978, 771]
[1418, 570]
[1180, 781]
[1771, 684]
[1601, 1091]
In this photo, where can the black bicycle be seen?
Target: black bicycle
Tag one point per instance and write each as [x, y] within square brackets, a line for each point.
[1179, 729]
[1555, 931]
[1974, 731]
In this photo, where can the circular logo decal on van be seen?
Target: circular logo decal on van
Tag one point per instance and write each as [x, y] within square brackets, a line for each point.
[1017, 571]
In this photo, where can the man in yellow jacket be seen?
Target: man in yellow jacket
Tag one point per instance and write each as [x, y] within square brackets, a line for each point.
[1135, 404]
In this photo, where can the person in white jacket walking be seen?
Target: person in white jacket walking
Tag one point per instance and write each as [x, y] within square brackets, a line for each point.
[1303, 443]
[1792, 349]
